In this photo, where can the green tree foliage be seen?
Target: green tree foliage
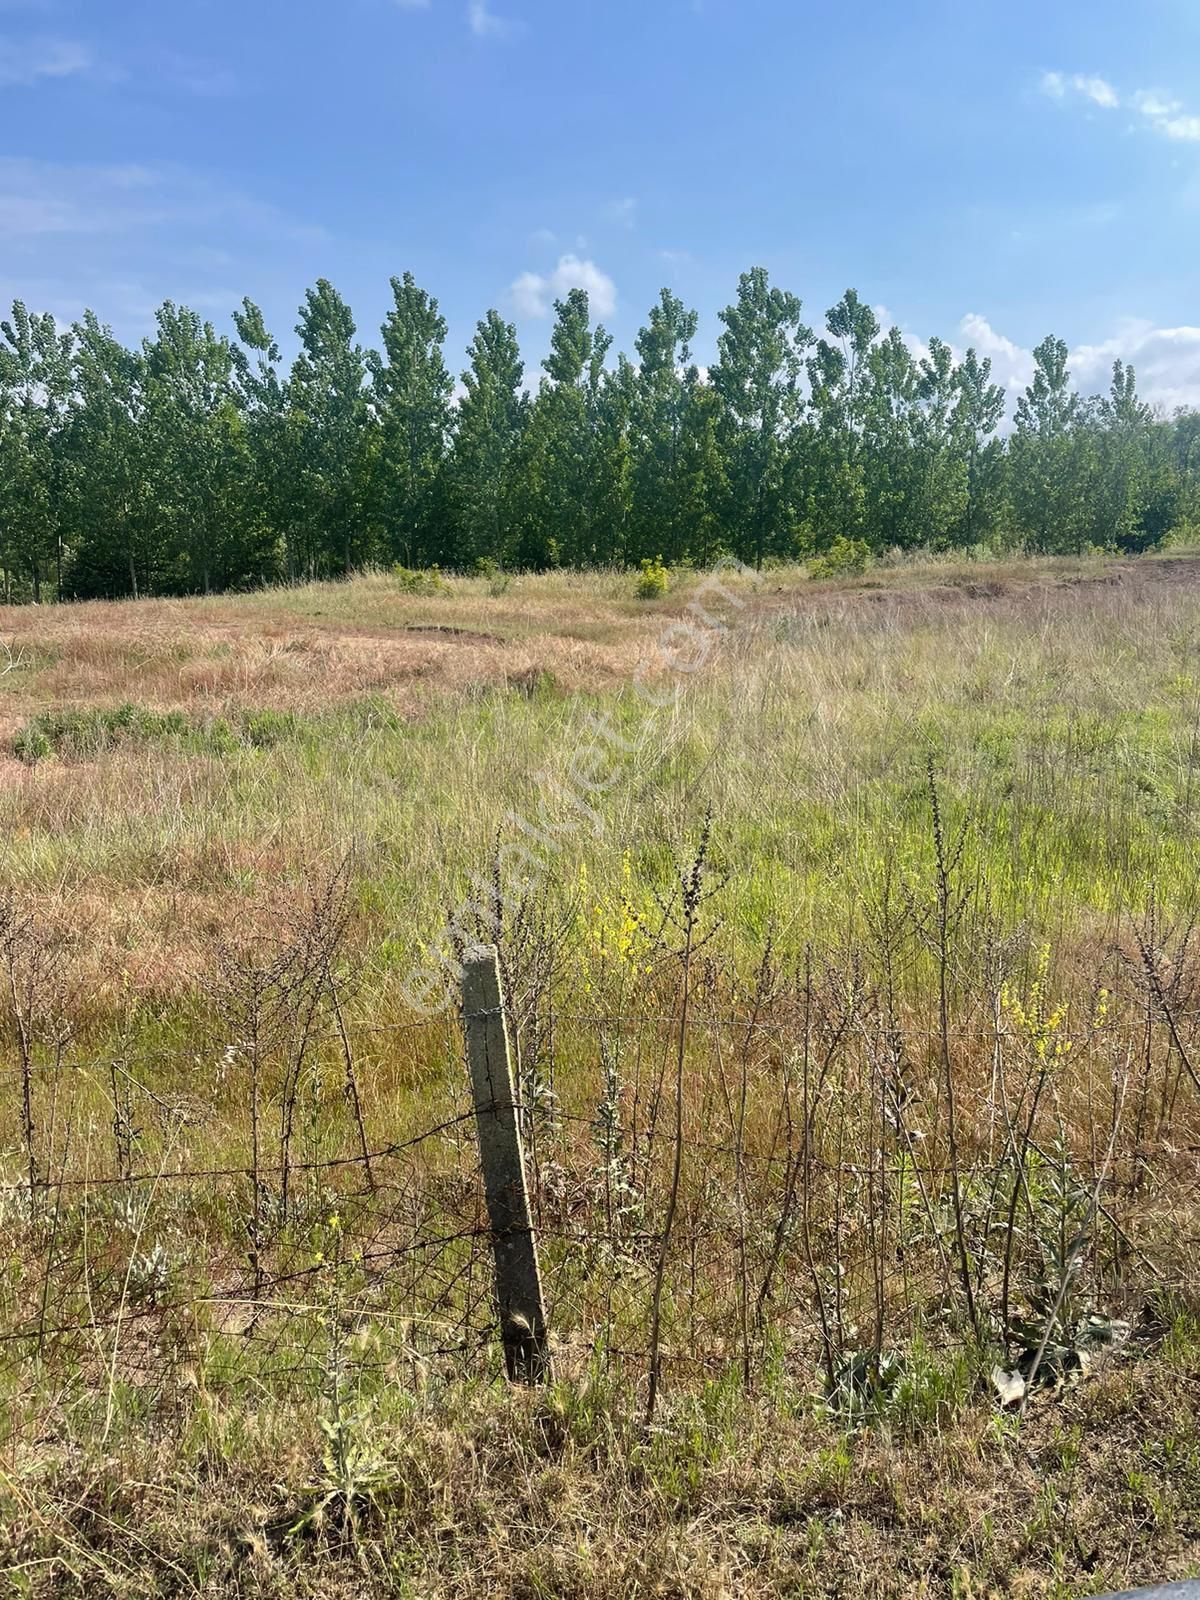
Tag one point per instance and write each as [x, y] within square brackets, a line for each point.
[108, 515]
[660, 392]
[199, 464]
[489, 427]
[978, 413]
[1051, 456]
[844, 390]
[940, 463]
[756, 376]
[34, 383]
[332, 440]
[411, 388]
[199, 461]
[890, 462]
[560, 471]
[703, 479]
[262, 395]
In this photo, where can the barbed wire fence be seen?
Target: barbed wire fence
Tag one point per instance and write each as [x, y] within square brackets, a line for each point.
[818, 1219]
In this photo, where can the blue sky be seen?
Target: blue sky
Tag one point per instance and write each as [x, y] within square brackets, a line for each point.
[987, 171]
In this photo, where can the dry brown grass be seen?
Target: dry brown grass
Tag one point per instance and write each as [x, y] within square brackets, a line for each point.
[324, 643]
[204, 1268]
[315, 647]
[498, 1495]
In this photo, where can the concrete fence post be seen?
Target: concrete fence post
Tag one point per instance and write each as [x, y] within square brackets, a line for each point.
[518, 1281]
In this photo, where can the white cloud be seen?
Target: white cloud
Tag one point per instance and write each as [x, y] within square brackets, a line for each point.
[1012, 366]
[1152, 104]
[485, 24]
[123, 238]
[530, 295]
[533, 293]
[44, 197]
[25, 62]
[1181, 128]
[675, 261]
[1167, 360]
[1098, 91]
[1164, 114]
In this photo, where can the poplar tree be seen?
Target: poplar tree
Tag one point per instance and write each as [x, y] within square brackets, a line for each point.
[489, 426]
[891, 469]
[658, 402]
[756, 376]
[330, 439]
[1049, 455]
[263, 400]
[612, 396]
[703, 479]
[35, 374]
[978, 413]
[838, 375]
[558, 492]
[411, 389]
[114, 526]
[941, 478]
[200, 463]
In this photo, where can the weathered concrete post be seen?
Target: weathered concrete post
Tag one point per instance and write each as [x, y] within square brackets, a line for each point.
[518, 1281]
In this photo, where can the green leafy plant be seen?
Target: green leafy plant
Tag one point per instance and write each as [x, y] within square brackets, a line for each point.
[497, 579]
[844, 558]
[419, 580]
[83, 733]
[654, 579]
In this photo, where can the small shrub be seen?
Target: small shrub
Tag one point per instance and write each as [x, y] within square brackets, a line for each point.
[32, 743]
[1184, 535]
[419, 580]
[82, 733]
[654, 579]
[265, 728]
[844, 558]
[497, 579]
[87, 731]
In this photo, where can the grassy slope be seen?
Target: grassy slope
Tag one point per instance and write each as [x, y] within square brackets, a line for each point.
[1060, 702]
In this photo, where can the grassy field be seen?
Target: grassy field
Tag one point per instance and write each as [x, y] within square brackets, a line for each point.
[847, 936]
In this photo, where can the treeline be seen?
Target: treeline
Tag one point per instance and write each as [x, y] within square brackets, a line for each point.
[199, 461]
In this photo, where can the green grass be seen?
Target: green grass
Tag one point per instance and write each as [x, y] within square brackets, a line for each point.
[1063, 728]
[235, 824]
[88, 732]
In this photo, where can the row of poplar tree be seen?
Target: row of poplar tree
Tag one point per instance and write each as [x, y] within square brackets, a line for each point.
[200, 461]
